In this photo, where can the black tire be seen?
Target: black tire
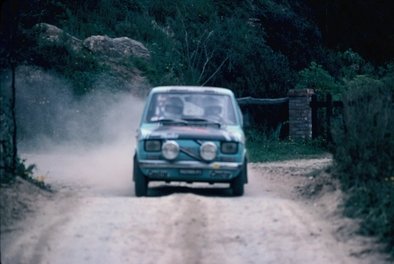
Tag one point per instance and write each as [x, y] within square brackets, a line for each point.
[140, 181]
[237, 184]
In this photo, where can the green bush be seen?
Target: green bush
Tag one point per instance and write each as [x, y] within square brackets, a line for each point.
[373, 203]
[364, 154]
[316, 77]
[364, 139]
[191, 42]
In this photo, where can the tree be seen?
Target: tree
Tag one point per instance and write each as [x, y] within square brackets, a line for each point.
[11, 54]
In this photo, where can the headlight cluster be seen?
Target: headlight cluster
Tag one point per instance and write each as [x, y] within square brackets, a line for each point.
[208, 150]
[170, 150]
[152, 145]
[229, 147]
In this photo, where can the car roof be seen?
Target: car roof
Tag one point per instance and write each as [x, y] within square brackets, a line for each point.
[191, 89]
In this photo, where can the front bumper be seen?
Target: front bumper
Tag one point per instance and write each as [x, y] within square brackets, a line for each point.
[190, 171]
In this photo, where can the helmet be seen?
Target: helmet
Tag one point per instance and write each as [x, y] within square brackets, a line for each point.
[173, 106]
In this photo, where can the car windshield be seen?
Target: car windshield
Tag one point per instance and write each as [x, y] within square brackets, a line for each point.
[191, 107]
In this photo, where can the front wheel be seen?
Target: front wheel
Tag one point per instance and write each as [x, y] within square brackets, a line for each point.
[237, 184]
[140, 181]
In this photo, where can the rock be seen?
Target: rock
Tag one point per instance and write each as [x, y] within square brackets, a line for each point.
[122, 47]
[112, 53]
[113, 48]
[50, 35]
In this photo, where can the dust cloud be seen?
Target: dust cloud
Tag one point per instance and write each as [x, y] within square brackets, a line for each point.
[86, 142]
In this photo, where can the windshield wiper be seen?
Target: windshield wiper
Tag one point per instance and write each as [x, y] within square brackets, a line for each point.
[172, 121]
[202, 120]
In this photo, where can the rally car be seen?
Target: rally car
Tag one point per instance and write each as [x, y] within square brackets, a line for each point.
[190, 134]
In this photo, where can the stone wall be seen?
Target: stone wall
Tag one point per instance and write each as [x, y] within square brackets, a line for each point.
[300, 114]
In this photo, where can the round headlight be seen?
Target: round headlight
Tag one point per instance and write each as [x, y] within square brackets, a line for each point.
[208, 151]
[170, 150]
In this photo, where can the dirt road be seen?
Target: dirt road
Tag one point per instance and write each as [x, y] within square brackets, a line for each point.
[97, 219]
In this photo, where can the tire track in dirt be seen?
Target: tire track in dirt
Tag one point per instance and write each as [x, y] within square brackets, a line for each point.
[270, 224]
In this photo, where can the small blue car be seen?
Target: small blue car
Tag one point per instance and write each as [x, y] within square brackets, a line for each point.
[190, 134]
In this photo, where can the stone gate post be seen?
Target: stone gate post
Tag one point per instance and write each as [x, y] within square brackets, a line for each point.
[300, 114]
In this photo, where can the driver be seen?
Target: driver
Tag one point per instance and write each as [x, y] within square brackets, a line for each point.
[213, 110]
[173, 107]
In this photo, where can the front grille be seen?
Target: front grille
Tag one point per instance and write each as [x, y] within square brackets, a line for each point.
[153, 156]
[228, 159]
[190, 153]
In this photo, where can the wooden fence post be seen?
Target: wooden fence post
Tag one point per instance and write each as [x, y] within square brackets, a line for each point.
[300, 114]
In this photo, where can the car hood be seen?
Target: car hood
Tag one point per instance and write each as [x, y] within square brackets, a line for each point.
[228, 133]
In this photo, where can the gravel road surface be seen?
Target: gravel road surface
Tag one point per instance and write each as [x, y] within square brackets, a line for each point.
[93, 217]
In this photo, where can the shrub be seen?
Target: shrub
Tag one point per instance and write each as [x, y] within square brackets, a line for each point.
[364, 154]
[364, 140]
[374, 203]
[316, 77]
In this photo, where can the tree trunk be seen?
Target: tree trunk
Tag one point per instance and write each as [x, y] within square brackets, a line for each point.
[14, 126]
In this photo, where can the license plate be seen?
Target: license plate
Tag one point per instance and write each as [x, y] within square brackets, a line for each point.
[190, 172]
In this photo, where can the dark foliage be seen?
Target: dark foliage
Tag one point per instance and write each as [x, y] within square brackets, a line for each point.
[289, 32]
[364, 156]
[365, 140]
[373, 202]
[256, 50]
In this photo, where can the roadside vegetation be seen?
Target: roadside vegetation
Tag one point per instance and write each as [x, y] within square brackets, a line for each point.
[264, 146]
[258, 48]
[364, 155]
